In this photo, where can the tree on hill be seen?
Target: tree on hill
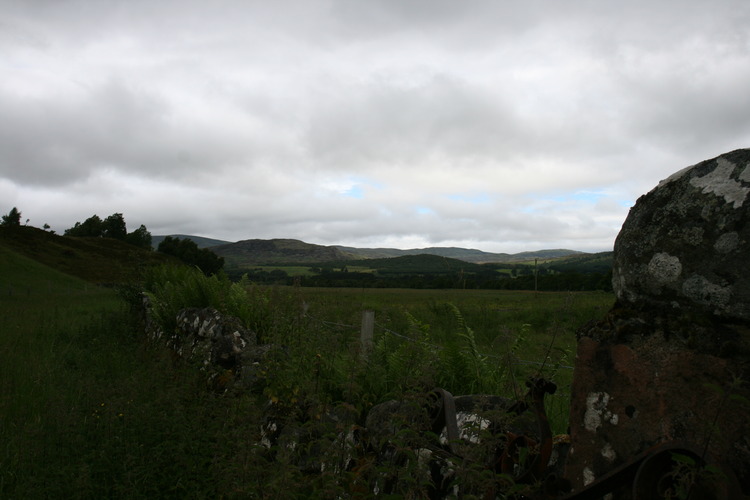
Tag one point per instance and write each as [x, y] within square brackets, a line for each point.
[112, 227]
[12, 219]
[141, 237]
[91, 227]
[187, 251]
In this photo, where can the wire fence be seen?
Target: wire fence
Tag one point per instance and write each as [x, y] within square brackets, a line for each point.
[562, 397]
[407, 338]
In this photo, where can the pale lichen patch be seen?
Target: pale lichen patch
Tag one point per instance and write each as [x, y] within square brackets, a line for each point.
[588, 476]
[745, 175]
[703, 291]
[596, 411]
[727, 242]
[664, 268]
[609, 453]
[720, 183]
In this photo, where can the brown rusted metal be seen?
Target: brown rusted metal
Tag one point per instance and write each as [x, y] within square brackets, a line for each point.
[537, 450]
[443, 415]
[660, 471]
[654, 474]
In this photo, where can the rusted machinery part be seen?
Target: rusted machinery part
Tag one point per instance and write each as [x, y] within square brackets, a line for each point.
[656, 473]
[537, 452]
[443, 415]
[679, 468]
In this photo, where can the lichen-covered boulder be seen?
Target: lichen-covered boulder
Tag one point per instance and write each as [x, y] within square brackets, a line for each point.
[670, 361]
[686, 243]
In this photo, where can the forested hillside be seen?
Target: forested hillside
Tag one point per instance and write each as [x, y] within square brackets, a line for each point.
[582, 272]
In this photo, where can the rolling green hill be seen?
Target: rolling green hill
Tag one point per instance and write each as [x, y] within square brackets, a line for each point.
[20, 274]
[96, 260]
[256, 252]
[250, 253]
[583, 263]
[464, 254]
[102, 260]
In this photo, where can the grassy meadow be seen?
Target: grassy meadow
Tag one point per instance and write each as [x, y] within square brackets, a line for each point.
[503, 336]
[90, 409]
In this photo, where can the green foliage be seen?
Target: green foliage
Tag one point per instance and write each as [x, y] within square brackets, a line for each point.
[91, 411]
[476, 361]
[91, 227]
[112, 227]
[13, 218]
[690, 477]
[187, 251]
[407, 364]
[173, 288]
[141, 237]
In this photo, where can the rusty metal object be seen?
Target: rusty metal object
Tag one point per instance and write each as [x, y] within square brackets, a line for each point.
[539, 452]
[663, 471]
[443, 415]
[666, 471]
[523, 457]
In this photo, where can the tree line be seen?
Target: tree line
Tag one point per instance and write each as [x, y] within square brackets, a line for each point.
[187, 251]
[111, 227]
[522, 280]
[114, 227]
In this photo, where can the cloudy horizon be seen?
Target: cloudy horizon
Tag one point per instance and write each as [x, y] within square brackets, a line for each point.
[499, 126]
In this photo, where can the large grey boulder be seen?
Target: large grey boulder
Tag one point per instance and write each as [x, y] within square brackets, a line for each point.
[685, 244]
[669, 363]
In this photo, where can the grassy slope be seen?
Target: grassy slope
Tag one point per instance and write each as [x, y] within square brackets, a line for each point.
[87, 410]
[20, 274]
[96, 260]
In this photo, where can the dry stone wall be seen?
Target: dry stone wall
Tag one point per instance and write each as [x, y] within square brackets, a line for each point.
[218, 344]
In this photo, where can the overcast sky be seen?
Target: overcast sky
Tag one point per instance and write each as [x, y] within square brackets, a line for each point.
[498, 125]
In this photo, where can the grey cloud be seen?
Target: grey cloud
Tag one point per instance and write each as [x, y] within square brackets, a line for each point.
[383, 124]
[234, 118]
[52, 141]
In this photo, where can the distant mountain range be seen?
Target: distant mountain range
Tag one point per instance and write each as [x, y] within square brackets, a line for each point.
[275, 251]
[465, 254]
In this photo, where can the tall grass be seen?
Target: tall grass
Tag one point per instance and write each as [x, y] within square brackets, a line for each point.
[466, 341]
[90, 409]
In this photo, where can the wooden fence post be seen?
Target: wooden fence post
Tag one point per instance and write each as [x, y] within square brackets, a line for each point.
[368, 326]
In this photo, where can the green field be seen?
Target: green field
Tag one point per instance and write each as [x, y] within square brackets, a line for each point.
[87, 410]
[547, 320]
[517, 334]
[90, 409]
